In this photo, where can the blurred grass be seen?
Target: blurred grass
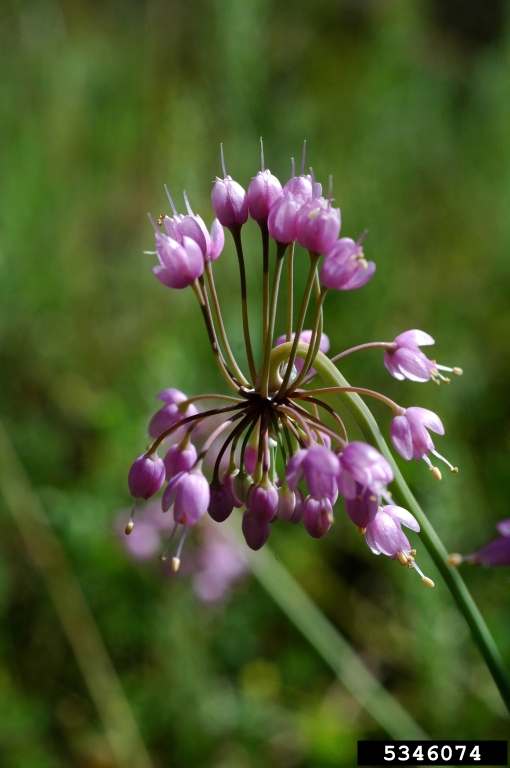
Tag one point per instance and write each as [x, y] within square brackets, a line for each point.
[100, 104]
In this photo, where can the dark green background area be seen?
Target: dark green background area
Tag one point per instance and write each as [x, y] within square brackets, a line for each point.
[407, 104]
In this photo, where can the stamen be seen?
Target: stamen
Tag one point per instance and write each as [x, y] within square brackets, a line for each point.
[453, 469]
[401, 557]
[149, 253]
[455, 559]
[293, 167]
[188, 206]
[362, 237]
[456, 371]
[330, 190]
[428, 582]
[160, 219]
[131, 525]
[303, 158]
[262, 166]
[163, 555]
[176, 561]
[361, 529]
[435, 470]
[223, 162]
[172, 206]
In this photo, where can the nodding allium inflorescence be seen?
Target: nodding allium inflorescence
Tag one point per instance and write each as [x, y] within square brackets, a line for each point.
[284, 453]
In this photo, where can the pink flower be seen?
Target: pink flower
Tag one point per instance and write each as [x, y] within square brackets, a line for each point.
[192, 226]
[282, 220]
[362, 464]
[318, 225]
[345, 267]
[146, 476]
[189, 494]
[384, 534]
[170, 414]
[320, 468]
[263, 192]
[181, 265]
[407, 361]
[409, 432]
[230, 202]
[317, 516]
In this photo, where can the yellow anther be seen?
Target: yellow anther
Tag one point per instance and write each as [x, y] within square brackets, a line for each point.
[454, 559]
[361, 529]
[446, 381]
[372, 498]
[402, 558]
[314, 213]
[176, 564]
[413, 551]
[457, 371]
[162, 558]
[428, 582]
[330, 518]
[410, 559]
[129, 527]
[436, 473]
[455, 470]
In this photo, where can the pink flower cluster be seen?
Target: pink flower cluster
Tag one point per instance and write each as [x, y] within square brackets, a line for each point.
[272, 418]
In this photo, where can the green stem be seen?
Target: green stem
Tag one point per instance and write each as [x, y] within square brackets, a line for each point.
[290, 292]
[223, 334]
[314, 341]
[262, 379]
[402, 495]
[236, 234]
[314, 258]
[206, 313]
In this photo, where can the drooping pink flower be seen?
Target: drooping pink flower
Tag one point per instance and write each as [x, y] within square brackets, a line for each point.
[495, 553]
[146, 476]
[170, 414]
[255, 531]
[180, 264]
[320, 468]
[362, 509]
[384, 534]
[262, 501]
[221, 502]
[189, 494]
[179, 459]
[317, 516]
[407, 361]
[409, 432]
[345, 266]
[318, 225]
[362, 464]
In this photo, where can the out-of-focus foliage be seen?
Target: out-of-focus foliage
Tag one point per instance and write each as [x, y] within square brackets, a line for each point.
[408, 105]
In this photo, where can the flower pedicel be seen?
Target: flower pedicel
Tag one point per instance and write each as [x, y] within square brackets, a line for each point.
[284, 462]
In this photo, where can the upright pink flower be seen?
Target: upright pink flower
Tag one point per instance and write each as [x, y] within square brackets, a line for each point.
[263, 192]
[282, 221]
[318, 225]
[180, 264]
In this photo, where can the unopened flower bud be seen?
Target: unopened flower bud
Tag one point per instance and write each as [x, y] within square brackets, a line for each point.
[255, 531]
[146, 476]
[230, 202]
[263, 192]
[221, 502]
[318, 226]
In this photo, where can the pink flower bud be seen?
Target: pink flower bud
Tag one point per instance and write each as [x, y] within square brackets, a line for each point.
[317, 516]
[146, 476]
[230, 202]
[282, 218]
[179, 460]
[221, 503]
[255, 531]
[262, 500]
[263, 192]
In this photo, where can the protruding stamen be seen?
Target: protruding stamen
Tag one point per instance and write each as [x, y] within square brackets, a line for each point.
[330, 190]
[176, 561]
[361, 529]
[223, 162]
[425, 579]
[436, 472]
[457, 371]
[362, 237]
[176, 564]
[455, 559]
[303, 158]
[453, 469]
[172, 205]
[188, 206]
[401, 557]
[428, 582]
[262, 166]
[163, 555]
[293, 164]
[131, 524]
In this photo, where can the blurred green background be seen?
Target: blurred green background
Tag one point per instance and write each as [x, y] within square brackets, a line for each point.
[407, 104]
